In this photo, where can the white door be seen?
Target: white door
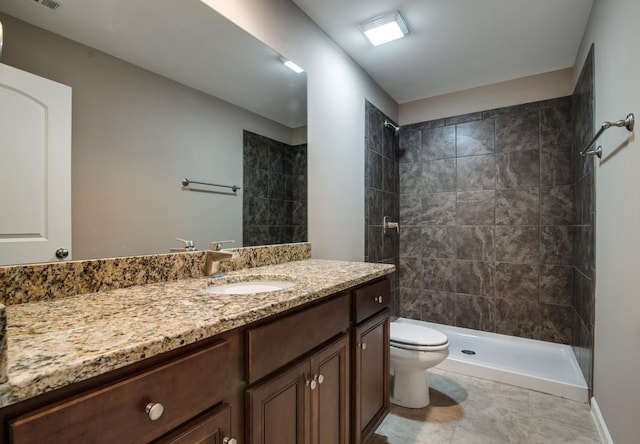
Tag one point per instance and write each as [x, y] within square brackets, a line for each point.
[35, 167]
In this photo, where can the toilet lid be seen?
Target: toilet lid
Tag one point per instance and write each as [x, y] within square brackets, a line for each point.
[412, 334]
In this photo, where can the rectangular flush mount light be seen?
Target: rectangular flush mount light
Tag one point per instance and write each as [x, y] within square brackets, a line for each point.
[385, 28]
[292, 66]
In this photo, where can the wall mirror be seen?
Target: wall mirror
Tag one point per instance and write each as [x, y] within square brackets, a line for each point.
[164, 90]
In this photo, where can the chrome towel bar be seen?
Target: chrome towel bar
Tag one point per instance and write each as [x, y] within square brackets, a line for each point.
[628, 123]
[186, 182]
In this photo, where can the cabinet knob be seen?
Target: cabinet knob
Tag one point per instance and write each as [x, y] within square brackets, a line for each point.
[378, 299]
[62, 253]
[319, 378]
[363, 346]
[154, 410]
[312, 384]
[227, 440]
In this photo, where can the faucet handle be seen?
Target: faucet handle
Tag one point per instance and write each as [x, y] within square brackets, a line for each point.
[188, 244]
[217, 245]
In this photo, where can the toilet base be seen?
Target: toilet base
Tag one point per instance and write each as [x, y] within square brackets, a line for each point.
[410, 388]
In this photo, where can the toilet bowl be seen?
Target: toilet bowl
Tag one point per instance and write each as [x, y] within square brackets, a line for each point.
[414, 349]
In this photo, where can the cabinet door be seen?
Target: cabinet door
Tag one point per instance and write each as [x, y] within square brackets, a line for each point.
[210, 428]
[371, 375]
[330, 409]
[279, 409]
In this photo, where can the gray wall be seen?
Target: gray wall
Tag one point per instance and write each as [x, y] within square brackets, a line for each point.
[486, 204]
[135, 135]
[382, 194]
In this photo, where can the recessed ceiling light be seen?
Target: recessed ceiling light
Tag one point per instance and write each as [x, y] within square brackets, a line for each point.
[292, 66]
[385, 28]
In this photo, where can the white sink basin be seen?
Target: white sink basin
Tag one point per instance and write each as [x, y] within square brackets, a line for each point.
[250, 287]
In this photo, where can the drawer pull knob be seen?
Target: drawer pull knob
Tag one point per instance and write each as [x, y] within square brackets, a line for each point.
[378, 299]
[363, 346]
[227, 440]
[154, 410]
[312, 384]
[319, 378]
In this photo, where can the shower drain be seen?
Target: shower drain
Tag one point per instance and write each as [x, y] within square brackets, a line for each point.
[468, 352]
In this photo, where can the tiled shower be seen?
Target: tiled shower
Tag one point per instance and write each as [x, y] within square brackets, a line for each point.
[495, 212]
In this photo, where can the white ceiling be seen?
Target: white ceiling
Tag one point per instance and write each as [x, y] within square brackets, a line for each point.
[183, 40]
[456, 44]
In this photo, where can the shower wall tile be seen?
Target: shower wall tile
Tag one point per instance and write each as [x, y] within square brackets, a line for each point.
[517, 281]
[438, 143]
[374, 236]
[410, 303]
[475, 138]
[518, 244]
[439, 242]
[375, 206]
[475, 243]
[477, 312]
[517, 318]
[518, 206]
[439, 175]
[556, 284]
[492, 195]
[438, 306]
[476, 208]
[556, 205]
[390, 172]
[439, 274]
[474, 277]
[518, 169]
[517, 132]
[374, 166]
[476, 173]
[439, 209]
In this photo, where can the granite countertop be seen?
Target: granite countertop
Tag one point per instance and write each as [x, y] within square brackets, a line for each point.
[56, 343]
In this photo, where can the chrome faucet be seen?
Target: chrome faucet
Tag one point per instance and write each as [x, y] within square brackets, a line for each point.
[188, 245]
[215, 255]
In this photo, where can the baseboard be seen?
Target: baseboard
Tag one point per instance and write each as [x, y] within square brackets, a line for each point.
[600, 424]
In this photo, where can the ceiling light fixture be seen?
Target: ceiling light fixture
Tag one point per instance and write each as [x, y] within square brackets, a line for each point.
[385, 28]
[292, 66]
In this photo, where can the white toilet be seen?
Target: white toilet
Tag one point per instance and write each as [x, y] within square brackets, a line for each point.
[414, 349]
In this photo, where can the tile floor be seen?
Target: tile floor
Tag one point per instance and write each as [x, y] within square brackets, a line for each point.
[466, 410]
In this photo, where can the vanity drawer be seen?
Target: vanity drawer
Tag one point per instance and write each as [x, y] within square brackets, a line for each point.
[371, 299]
[280, 342]
[116, 412]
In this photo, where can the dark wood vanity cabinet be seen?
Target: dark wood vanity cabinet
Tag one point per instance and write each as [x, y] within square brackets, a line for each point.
[213, 427]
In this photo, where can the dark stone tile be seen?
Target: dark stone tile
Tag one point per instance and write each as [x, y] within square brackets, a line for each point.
[258, 211]
[475, 278]
[300, 234]
[410, 146]
[299, 188]
[374, 170]
[517, 281]
[411, 272]
[375, 243]
[584, 298]
[438, 306]
[518, 169]
[390, 207]
[276, 158]
[275, 235]
[438, 143]
[556, 205]
[277, 212]
[556, 284]
[255, 235]
[555, 166]
[475, 138]
[276, 190]
[584, 201]
[390, 176]
[439, 208]
[549, 103]
[476, 173]
[475, 243]
[517, 132]
[410, 210]
[411, 242]
[299, 166]
[506, 111]
[375, 206]
[555, 323]
[410, 178]
[439, 274]
[419, 126]
[256, 182]
[517, 318]
[476, 208]
[583, 244]
[477, 312]
[390, 245]
[439, 242]
[463, 118]
[390, 144]
[555, 246]
[374, 130]
[518, 244]
[519, 206]
[555, 126]
[410, 303]
[439, 175]
[256, 152]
